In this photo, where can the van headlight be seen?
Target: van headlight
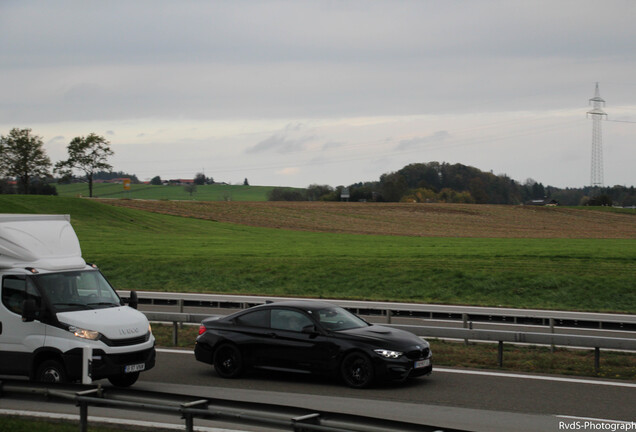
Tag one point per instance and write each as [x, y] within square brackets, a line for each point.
[388, 353]
[83, 333]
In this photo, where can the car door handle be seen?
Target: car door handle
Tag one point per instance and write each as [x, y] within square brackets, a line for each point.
[272, 335]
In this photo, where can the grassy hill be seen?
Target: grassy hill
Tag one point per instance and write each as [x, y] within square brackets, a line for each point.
[215, 192]
[144, 250]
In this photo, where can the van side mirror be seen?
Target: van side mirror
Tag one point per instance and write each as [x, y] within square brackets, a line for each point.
[29, 310]
[133, 301]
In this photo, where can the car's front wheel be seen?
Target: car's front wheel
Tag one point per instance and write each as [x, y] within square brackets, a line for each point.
[357, 370]
[228, 361]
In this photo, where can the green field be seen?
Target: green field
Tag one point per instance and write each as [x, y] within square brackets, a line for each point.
[214, 192]
[148, 251]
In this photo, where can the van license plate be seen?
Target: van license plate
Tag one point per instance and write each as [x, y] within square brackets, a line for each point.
[422, 363]
[135, 368]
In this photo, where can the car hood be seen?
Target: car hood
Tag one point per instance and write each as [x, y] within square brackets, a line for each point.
[115, 323]
[391, 337]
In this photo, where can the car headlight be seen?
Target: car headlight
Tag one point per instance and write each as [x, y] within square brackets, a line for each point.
[83, 333]
[388, 353]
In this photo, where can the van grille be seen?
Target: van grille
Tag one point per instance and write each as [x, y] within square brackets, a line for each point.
[125, 342]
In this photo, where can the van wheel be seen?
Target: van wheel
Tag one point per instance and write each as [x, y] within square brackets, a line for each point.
[51, 371]
[124, 380]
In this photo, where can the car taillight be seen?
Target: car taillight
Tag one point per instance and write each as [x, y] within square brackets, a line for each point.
[202, 329]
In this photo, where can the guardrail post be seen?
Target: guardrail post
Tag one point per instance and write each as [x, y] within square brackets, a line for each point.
[309, 419]
[175, 333]
[552, 331]
[388, 316]
[83, 424]
[188, 416]
[500, 354]
[465, 320]
[180, 302]
[597, 359]
[83, 406]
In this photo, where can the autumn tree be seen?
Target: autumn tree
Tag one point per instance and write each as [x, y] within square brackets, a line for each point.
[86, 154]
[22, 155]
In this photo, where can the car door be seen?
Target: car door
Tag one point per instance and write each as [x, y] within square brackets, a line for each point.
[18, 339]
[290, 347]
[251, 331]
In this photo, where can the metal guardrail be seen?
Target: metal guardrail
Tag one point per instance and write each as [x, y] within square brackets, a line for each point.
[263, 415]
[389, 310]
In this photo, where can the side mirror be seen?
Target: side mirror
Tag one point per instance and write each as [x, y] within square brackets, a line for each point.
[29, 310]
[133, 301]
[310, 330]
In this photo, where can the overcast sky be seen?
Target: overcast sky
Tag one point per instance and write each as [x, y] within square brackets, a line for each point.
[329, 92]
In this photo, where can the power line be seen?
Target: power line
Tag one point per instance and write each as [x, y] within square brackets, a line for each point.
[621, 121]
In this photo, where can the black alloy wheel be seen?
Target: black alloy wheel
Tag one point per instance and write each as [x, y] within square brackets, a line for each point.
[357, 370]
[228, 361]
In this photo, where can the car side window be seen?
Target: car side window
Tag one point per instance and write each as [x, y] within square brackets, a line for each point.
[15, 290]
[285, 319]
[254, 319]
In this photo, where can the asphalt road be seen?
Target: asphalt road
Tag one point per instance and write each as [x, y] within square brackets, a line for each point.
[473, 400]
[449, 398]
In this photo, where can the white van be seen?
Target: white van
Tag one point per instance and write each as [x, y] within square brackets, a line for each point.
[60, 319]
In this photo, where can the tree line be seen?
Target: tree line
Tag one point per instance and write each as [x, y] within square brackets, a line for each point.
[22, 157]
[456, 183]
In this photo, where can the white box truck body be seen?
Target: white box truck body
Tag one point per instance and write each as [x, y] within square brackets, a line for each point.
[55, 309]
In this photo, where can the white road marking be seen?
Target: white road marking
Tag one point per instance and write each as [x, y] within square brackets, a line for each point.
[537, 377]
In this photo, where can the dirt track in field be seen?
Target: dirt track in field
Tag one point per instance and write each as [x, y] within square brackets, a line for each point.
[404, 219]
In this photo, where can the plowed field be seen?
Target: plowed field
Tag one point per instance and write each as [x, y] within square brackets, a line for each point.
[402, 219]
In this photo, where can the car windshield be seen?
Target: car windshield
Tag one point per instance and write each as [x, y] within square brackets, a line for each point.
[77, 290]
[336, 318]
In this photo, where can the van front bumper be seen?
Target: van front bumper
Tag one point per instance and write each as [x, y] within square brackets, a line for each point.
[108, 365]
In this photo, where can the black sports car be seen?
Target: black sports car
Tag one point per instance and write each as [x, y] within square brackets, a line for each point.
[310, 336]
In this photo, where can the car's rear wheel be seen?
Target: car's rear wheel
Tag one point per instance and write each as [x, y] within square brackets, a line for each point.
[357, 370]
[228, 361]
[51, 371]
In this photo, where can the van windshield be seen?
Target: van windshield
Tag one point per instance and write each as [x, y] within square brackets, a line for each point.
[77, 290]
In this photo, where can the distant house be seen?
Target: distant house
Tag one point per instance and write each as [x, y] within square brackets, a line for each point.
[118, 180]
[180, 182]
[543, 202]
[111, 181]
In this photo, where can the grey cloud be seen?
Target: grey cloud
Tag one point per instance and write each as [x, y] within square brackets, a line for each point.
[279, 144]
[408, 144]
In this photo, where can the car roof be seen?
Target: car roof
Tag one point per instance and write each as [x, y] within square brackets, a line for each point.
[300, 304]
